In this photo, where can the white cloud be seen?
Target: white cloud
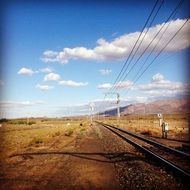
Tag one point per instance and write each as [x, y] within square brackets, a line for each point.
[72, 83]
[119, 85]
[46, 70]
[49, 56]
[104, 86]
[121, 46]
[161, 87]
[2, 83]
[10, 104]
[105, 71]
[157, 77]
[25, 71]
[29, 72]
[44, 87]
[51, 77]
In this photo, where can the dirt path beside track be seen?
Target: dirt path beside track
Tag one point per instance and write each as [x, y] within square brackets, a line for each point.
[79, 165]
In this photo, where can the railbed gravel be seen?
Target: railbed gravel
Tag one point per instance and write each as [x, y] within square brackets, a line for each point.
[134, 170]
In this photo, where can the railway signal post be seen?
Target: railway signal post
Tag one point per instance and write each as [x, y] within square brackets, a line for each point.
[164, 126]
[161, 120]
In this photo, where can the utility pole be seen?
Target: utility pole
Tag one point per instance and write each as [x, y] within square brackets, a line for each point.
[118, 107]
[91, 113]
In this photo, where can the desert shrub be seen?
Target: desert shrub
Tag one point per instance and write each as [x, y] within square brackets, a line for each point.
[3, 120]
[98, 133]
[43, 120]
[18, 122]
[56, 134]
[148, 133]
[31, 122]
[36, 141]
[69, 132]
[81, 133]
[21, 122]
[82, 129]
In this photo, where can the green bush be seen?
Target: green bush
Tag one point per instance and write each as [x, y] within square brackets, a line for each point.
[31, 122]
[21, 122]
[18, 122]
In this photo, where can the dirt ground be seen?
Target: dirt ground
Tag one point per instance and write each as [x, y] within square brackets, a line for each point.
[64, 154]
[76, 163]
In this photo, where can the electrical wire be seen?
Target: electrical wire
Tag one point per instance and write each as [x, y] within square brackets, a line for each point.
[166, 22]
[150, 64]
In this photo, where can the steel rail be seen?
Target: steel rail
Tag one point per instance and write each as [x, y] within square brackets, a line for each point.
[178, 152]
[183, 174]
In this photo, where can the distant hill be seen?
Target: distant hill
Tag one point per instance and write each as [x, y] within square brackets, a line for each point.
[160, 106]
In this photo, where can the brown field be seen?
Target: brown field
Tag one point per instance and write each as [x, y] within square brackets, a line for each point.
[68, 134]
[178, 125]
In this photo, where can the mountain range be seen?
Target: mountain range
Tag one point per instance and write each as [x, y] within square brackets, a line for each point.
[172, 106]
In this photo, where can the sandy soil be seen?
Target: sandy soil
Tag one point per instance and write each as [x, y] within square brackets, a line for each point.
[80, 164]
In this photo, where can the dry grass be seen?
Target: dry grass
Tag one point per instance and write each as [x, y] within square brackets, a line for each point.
[149, 124]
[16, 135]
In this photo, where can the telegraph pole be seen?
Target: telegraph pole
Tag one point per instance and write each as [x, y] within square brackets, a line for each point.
[118, 107]
[91, 113]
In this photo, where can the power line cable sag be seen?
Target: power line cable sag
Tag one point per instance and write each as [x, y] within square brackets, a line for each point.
[150, 64]
[117, 84]
[150, 15]
[166, 22]
[173, 12]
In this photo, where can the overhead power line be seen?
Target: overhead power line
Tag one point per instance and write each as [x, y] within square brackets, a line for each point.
[149, 17]
[134, 54]
[159, 31]
[133, 51]
[150, 64]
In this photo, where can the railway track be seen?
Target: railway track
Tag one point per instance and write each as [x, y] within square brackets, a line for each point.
[174, 160]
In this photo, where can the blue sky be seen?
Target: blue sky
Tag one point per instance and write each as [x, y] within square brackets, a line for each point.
[80, 46]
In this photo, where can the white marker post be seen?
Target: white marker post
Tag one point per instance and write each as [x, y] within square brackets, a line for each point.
[160, 116]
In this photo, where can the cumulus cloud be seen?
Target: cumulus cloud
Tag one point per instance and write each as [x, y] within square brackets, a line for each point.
[44, 87]
[52, 77]
[49, 56]
[29, 72]
[26, 71]
[105, 71]
[72, 83]
[104, 86]
[161, 87]
[121, 46]
[119, 85]
[46, 70]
